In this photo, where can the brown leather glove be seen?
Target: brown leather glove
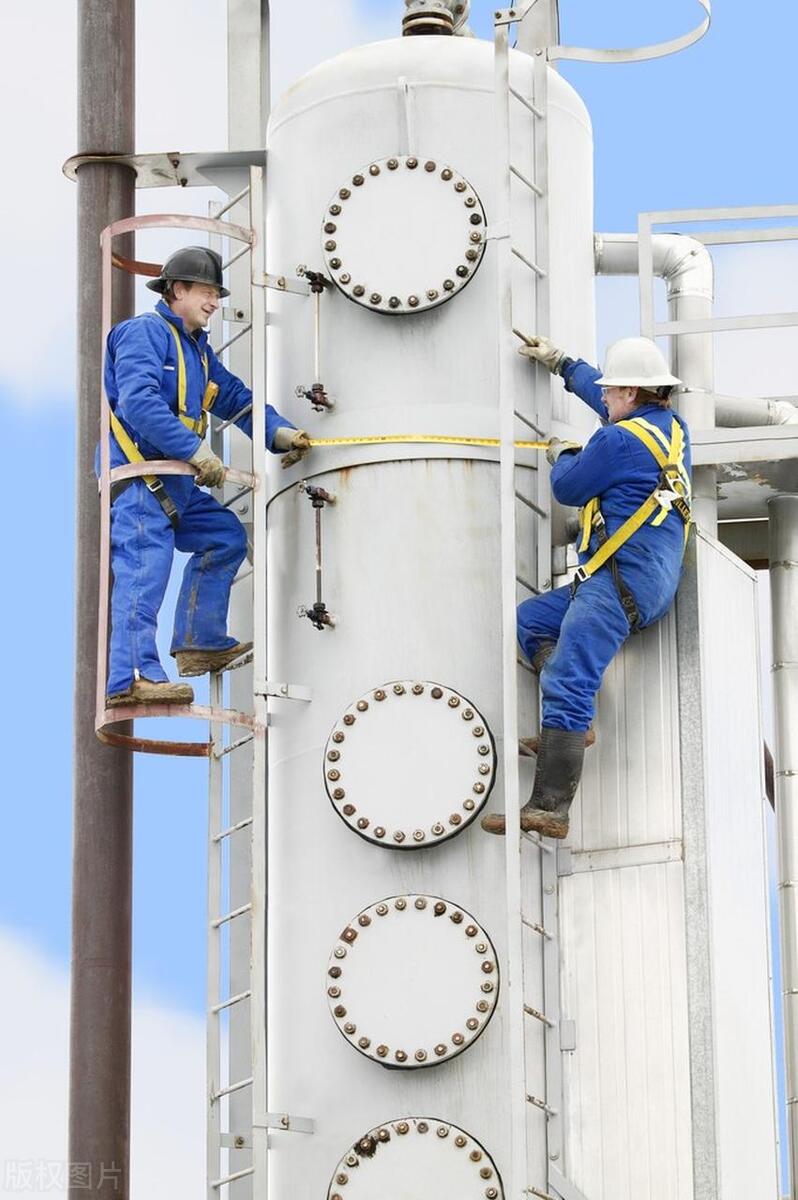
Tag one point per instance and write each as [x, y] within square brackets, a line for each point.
[295, 441]
[542, 350]
[210, 469]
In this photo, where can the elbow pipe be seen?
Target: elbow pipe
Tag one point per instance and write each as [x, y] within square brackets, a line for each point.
[684, 263]
[686, 266]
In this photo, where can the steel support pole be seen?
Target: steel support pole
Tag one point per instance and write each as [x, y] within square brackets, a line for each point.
[99, 1103]
[783, 531]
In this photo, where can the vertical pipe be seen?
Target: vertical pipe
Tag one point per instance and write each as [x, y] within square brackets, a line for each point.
[692, 360]
[783, 536]
[99, 1112]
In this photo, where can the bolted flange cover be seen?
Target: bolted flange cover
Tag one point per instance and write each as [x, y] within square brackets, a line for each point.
[422, 1157]
[410, 764]
[403, 235]
[412, 981]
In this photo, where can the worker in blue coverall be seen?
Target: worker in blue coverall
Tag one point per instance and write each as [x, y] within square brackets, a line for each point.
[636, 466]
[161, 376]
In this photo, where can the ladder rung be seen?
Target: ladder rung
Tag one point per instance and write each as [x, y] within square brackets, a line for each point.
[232, 203]
[231, 829]
[242, 741]
[232, 1087]
[537, 842]
[530, 183]
[533, 1191]
[533, 108]
[531, 504]
[242, 412]
[236, 912]
[538, 929]
[217, 1008]
[235, 258]
[220, 1183]
[533, 266]
[542, 1105]
[244, 575]
[539, 1016]
[527, 422]
[526, 666]
[238, 496]
[530, 587]
[226, 345]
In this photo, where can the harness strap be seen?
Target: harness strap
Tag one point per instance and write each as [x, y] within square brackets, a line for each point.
[673, 491]
[199, 426]
[134, 455]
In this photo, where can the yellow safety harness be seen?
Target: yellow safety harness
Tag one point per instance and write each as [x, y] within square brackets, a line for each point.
[672, 492]
[199, 426]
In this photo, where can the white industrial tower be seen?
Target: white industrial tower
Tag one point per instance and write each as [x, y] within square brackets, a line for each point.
[398, 1005]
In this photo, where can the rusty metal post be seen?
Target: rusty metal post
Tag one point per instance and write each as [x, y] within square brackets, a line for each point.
[99, 1105]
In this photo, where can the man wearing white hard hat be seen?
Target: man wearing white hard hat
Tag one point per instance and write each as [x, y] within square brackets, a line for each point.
[632, 484]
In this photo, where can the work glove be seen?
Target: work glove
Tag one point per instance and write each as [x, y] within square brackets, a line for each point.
[542, 350]
[557, 447]
[210, 469]
[295, 441]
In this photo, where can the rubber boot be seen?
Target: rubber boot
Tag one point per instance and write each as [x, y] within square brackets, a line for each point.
[560, 757]
[145, 691]
[542, 655]
[530, 746]
[199, 662]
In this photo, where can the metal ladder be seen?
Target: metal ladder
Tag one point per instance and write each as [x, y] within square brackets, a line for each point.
[532, 1115]
[238, 1120]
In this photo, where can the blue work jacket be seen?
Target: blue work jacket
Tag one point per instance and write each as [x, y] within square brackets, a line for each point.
[617, 467]
[141, 385]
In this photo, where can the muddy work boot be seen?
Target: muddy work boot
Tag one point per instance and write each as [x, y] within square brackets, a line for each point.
[200, 662]
[560, 756]
[144, 691]
[542, 655]
[529, 746]
[559, 770]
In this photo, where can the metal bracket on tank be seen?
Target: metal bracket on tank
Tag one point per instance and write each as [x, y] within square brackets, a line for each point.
[317, 613]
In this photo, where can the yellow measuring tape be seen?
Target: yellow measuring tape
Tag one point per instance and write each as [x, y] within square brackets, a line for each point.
[436, 438]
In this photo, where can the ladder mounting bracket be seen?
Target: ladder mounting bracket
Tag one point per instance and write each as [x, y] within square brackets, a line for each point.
[283, 691]
[286, 1122]
[564, 864]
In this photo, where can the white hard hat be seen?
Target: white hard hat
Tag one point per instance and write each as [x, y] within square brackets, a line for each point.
[636, 362]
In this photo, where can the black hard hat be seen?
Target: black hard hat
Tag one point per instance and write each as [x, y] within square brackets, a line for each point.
[192, 264]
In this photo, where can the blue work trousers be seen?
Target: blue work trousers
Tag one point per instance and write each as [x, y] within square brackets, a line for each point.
[589, 629]
[143, 542]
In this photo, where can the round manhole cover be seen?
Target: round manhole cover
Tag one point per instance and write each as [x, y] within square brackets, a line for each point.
[422, 1158]
[412, 981]
[403, 235]
[409, 764]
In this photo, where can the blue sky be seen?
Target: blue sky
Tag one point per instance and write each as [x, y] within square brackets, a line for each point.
[710, 127]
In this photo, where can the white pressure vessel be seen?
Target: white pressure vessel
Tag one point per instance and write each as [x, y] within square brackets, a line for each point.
[411, 574]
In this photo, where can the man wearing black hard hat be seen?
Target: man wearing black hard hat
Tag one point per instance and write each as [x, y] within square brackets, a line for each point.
[161, 379]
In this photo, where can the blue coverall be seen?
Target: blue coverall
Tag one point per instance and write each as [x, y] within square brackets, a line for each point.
[141, 385]
[590, 627]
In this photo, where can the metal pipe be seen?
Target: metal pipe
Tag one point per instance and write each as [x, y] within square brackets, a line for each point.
[99, 1086]
[783, 540]
[686, 266]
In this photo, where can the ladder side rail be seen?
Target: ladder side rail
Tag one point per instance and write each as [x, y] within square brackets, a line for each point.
[215, 904]
[542, 309]
[258, 965]
[516, 1181]
[216, 899]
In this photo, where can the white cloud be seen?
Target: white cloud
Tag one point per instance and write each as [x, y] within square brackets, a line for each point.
[176, 109]
[168, 1085]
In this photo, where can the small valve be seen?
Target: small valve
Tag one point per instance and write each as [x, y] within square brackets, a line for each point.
[317, 280]
[317, 496]
[320, 401]
[317, 614]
